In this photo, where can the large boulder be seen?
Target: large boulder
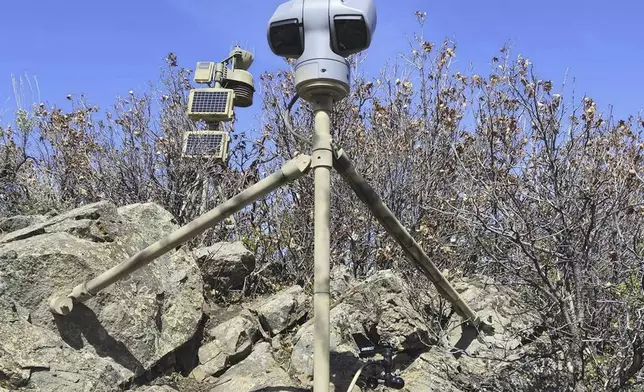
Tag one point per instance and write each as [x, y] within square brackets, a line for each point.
[115, 336]
[282, 310]
[225, 265]
[258, 373]
[13, 223]
[37, 357]
[231, 341]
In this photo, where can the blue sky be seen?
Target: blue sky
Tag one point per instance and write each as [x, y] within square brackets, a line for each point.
[105, 48]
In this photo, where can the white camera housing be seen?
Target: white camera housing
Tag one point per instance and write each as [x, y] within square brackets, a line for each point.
[321, 34]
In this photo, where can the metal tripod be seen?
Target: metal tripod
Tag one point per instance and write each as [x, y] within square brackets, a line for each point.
[322, 160]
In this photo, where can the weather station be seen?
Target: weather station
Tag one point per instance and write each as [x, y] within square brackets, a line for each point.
[229, 85]
[319, 35]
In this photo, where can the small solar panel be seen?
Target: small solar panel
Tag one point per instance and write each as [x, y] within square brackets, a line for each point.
[206, 144]
[211, 104]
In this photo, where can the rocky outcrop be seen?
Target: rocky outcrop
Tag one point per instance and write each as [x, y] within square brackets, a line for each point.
[115, 336]
[378, 308]
[231, 342]
[13, 223]
[118, 339]
[258, 373]
[282, 310]
[225, 265]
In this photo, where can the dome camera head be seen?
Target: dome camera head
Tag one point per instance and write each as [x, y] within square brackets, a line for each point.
[321, 34]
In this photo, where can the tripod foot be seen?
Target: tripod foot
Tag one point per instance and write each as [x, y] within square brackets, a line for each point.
[61, 305]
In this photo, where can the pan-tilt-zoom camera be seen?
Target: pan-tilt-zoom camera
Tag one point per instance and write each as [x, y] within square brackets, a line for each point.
[320, 34]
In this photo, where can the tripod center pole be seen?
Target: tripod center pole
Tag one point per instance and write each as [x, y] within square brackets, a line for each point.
[322, 162]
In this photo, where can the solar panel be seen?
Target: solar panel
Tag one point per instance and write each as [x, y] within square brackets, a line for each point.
[209, 101]
[206, 144]
[211, 104]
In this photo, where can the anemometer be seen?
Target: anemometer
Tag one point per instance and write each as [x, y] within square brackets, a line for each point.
[319, 35]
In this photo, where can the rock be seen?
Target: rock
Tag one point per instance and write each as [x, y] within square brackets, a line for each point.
[125, 329]
[18, 222]
[500, 305]
[341, 280]
[257, 373]
[281, 311]
[173, 382]
[343, 351]
[467, 360]
[12, 374]
[98, 222]
[225, 265]
[382, 305]
[379, 308]
[37, 357]
[232, 341]
[431, 372]
[159, 388]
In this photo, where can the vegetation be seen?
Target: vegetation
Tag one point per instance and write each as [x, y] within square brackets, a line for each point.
[497, 174]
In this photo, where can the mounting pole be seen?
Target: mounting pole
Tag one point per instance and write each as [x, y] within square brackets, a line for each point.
[322, 163]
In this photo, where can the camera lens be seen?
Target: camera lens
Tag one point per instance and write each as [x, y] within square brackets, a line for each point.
[351, 34]
[285, 38]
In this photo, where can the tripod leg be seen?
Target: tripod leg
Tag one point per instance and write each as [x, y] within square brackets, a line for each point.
[292, 170]
[412, 249]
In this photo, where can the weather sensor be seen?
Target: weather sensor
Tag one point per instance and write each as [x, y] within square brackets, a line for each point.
[234, 76]
[205, 72]
[229, 85]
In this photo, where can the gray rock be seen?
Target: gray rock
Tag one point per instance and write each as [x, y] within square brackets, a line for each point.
[37, 357]
[431, 372]
[343, 323]
[257, 373]
[281, 311]
[378, 304]
[98, 222]
[114, 336]
[341, 280]
[500, 305]
[159, 388]
[381, 304]
[18, 222]
[381, 307]
[225, 265]
[466, 360]
[232, 341]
